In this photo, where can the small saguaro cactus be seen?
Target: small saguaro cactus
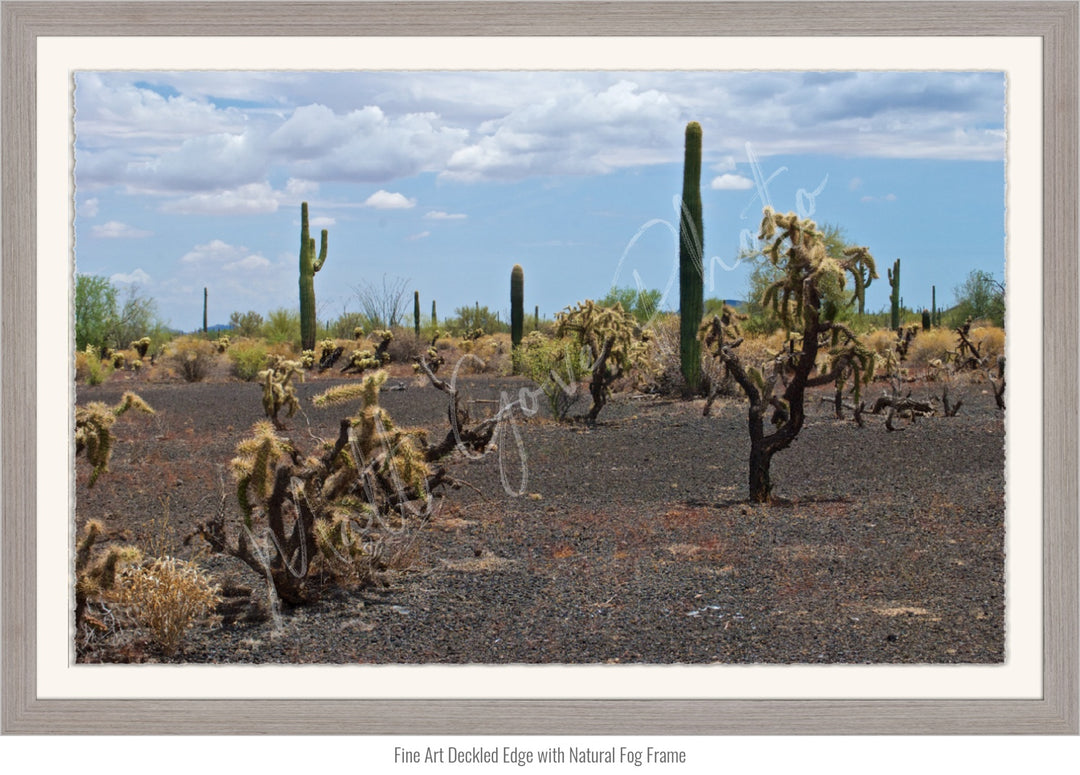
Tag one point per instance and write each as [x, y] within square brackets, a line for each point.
[416, 312]
[434, 317]
[691, 267]
[536, 318]
[933, 306]
[517, 304]
[205, 297]
[926, 320]
[309, 265]
[894, 295]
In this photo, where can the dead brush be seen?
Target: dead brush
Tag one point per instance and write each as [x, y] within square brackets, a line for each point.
[167, 596]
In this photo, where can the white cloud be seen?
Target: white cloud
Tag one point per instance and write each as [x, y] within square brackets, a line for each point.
[250, 199]
[364, 144]
[578, 129]
[322, 222]
[854, 184]
[88, 208]
[251, 261]
[118, 230]
[886, 198]
[385, 200]
[222, 254]
[729, 182]
[726, 164]
[137, 277]
[439, 215]
[421, 235]
[111, 106]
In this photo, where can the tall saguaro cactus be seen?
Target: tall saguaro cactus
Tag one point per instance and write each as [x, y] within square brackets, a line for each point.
[416, 311]
[894, 295]
[309, 265]
[205, 296]
[691, 268]
[517, 304]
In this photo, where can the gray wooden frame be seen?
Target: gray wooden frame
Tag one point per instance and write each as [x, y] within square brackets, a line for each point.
[23, 712]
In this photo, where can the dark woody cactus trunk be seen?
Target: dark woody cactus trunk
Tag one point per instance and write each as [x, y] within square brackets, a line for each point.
[309, 265]
[691, 268]
[517, 304]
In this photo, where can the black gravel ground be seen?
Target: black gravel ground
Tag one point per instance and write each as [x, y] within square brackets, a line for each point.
[628, 542]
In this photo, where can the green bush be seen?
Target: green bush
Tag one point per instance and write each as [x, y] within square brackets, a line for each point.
[556, 366]
[248, 359]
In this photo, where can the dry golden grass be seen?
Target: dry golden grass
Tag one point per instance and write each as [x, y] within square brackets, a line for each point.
[166, 597]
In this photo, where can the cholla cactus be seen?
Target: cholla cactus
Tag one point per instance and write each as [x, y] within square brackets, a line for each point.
[353, 484]
[222, 343]
[96, 574]
[278, 391]
[613, 341]
[253, 467]
[377, 438]
[364, 360]
[93, 430]
[141, 346]
[798, 249]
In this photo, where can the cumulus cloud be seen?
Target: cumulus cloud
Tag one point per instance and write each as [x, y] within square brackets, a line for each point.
[363, 145]
[118, 230]
[421, 235]
[225, 256]
[112, 106]
[386, 200]
[137, 277]
[576, 130]
[729, 182]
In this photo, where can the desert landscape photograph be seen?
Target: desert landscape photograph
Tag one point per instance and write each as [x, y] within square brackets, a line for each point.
[552, 367]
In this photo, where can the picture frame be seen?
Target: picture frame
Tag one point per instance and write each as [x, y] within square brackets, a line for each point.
[24, 712]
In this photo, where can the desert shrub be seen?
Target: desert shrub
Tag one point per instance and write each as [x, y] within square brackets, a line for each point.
[929, 346]
[248, 358]
[282, 325]
[490, 354]
[248, 324]
[166, 597]
[91, 368]
[990, 341]
[880, 340]
[405, 347]
[556, 366]
[191, 357]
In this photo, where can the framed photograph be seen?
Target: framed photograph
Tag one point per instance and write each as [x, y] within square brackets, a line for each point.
[485, 478]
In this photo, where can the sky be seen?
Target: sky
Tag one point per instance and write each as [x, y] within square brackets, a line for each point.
[445, 180]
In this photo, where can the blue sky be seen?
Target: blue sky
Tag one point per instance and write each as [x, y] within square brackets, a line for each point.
[447, 179]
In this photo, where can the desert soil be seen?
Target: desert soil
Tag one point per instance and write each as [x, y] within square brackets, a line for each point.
[629, 542]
